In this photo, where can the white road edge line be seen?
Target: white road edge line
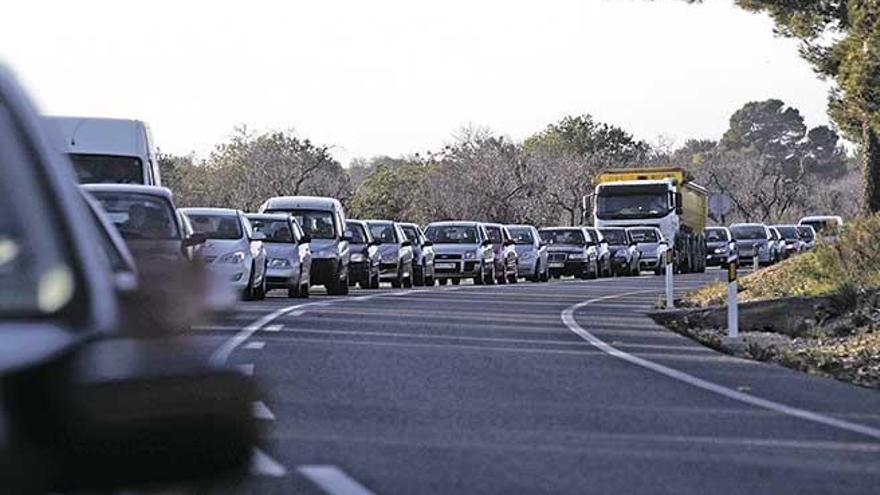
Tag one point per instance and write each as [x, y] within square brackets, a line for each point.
[569, 321]
[333, 480]
[262, 464]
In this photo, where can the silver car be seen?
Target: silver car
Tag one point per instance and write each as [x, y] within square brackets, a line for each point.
[792, 243]
[232, 250]
[751, 238]
[396, 265]
[531, 253]
[290, 258]
[808, 235]
[423, 254]
[461, 250]
[505, 254]
[652, 247]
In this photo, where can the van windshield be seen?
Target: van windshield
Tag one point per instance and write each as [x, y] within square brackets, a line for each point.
[107, 169]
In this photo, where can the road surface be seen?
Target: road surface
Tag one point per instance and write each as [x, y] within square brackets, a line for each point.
[564, 387]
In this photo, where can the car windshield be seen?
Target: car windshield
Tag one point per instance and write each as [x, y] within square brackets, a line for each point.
[318, 224]
[789, 232]
[806, 233]
[217, 226]
[494, 234]
[451, 234]
[615, 236]
[275, 230]
[716, 235]
[139, 216]
[644, 235]
[522, 235]
[748, 232]
[383, 232]
[411, 234]
[567, 236]
[356, 232]
[108, 169]
[825, 227]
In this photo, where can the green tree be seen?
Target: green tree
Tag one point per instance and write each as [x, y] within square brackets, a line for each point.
[391, 190]
[841, 40]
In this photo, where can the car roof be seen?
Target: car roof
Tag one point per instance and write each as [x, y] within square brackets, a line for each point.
[785, 225]
[717, 227]
[519, 226]
[462, 223]
[561, 228]
[408, 224]
[379, 221]
[210, 211]
[130, 188]
[314, 202]
[823, 218]
[612, 228]
[268, 216]
[747, 224]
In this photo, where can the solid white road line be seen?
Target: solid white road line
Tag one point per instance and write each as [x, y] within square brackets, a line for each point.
[261, 411]
[263, 465]
[569, 321]
[333, 480]
[255, 345]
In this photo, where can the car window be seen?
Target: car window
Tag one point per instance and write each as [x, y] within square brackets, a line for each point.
[644, 235]
[108, 169]
[748, 232]
[319, 224]
[411, 233]
[274, 230]
[716, 235]
[357, 233]
[806, 233]
[615, 236]
[139, 216]
[567, 236]
[521, 235]
[451, 234]
[384, 232]
[217, 226]
[495, 235]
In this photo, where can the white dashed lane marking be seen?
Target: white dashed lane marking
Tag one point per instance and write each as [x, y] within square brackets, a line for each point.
[255, 345]
[333, 480]
[261, 411]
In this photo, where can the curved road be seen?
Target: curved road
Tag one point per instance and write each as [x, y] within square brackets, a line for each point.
[564, 387]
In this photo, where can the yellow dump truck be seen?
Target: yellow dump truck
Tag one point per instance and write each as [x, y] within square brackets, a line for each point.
[666, 198]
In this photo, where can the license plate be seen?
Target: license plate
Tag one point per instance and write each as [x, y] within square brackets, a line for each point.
[556, 265]
[445, 266]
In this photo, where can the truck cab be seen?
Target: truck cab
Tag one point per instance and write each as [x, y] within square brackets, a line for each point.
[664, 198]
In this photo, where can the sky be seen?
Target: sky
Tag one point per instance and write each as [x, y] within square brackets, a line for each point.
[383, 77]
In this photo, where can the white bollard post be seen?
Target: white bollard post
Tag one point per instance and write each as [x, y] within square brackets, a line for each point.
[756, 262]
[668, 269]
[732, 305]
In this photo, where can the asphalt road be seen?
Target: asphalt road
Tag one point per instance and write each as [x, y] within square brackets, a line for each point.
[565, 387]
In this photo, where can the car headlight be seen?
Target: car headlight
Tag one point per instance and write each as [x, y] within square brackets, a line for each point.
[470, 255]
[620, 254]
[577, 256]
[357, 257]
[527, 255]
[233, 258]
[279, 263]
[719, 250]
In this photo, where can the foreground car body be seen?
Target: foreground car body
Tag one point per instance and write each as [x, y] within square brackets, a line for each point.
[504, 253]
[287, 249]
[571, 251]
[232, 250]
[461, 250]
[531, 253]
[602, 250]
[323, 220]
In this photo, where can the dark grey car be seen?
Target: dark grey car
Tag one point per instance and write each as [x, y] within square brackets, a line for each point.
[363, 265]
[423, 254]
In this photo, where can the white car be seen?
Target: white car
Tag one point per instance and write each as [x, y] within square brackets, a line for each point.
[232, 249]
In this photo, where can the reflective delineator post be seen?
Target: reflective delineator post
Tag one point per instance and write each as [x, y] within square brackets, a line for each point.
[756, 262]
[668, 269]
[732, 305]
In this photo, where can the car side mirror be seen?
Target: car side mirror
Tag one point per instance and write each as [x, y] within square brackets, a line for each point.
[485, 243]
[376, 242]
[406, 243]
[305, 239]
[195, 239]
[258, 236]
[633, 243]
[508, 243]
[427, 244]
[590, 243]
[542, 244]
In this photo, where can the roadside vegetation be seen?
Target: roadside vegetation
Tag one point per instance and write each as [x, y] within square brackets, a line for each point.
[819, 312]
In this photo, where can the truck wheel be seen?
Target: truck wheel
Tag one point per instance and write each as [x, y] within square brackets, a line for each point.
[442, 281]
[456, 281]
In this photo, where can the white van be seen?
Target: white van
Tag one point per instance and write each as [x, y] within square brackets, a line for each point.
[826, 226]
[109, 151]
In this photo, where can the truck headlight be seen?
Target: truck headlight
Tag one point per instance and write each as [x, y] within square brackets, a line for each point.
[279, 263]
[233, 258]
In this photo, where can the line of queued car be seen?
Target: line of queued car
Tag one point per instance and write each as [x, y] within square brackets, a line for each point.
[768, 244]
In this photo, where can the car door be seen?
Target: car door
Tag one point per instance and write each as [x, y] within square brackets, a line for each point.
[404, 245]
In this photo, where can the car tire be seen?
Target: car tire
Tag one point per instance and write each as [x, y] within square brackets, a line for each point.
[418, 276]
[637, 270]
[502, 278]
[398, 281]
[374, 281]
[480, 279]
[294, 288]
[456, 281]
[594, 273]
[408, 281]
[339, 286]
[249, 293]
[490, 277]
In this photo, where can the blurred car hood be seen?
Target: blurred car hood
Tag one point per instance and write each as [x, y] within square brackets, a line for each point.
[454, 248]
